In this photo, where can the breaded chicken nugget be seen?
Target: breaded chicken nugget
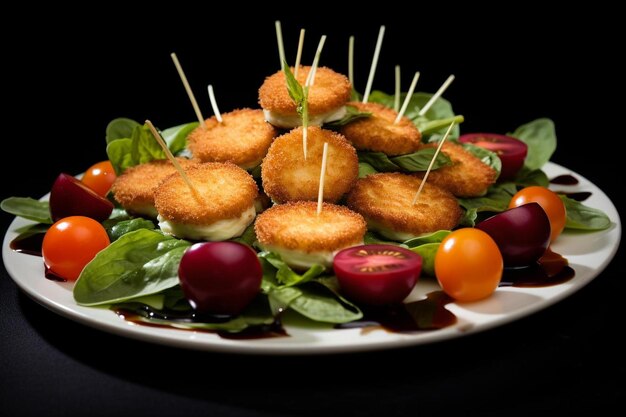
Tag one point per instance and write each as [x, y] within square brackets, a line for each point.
[134, 189]
[468, 176]
[327, 97]
[302, 238]
[242, 138]
[378, 132]
[385, 201]
[287, 176]
[222, 208]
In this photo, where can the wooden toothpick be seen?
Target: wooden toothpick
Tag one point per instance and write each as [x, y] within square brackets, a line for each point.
[396, 97]
[432, 162]
[173, 160]
[310, 79]
[435, 96]
[370, 79]
[351, 61]
[216, 110]
[407, 99]
[281, 47]
[192, 98]
[299, 54]
[320, 191]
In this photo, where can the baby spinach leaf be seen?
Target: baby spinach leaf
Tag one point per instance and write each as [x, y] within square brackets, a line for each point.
[317, 302]
[287, 276]
[582, 217]
[413, 162]
[138, 263]
[145, 147]
[435, 237]
[176, 137]
[120, 128]
[497, 199]
[427, 251]
[352, 114]
[116, 229]
[28, 208]
[365, 169]
[527, 177]
[540, 136]
[119, 153]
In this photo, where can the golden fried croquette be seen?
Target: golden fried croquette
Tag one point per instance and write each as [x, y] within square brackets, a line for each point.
[302, 238]
[378, 133]
[385, 201]
[288, 177]
[222, 208]
[242, 138]
[327, 97]
[468, 176]
[134, 189]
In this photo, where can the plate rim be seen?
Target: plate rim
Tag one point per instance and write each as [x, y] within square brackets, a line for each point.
[273, 346]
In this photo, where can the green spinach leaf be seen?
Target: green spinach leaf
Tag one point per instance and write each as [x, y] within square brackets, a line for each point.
[582, 217]
[352, 114]
[28, 208]
[120, 128]
[176, 137]
[486, 156]
[413, 162]
[540, 136]
[139, 263]
[117, 228]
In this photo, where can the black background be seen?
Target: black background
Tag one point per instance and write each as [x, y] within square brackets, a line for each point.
[67, 77]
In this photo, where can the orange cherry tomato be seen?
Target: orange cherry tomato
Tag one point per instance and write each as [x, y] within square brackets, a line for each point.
[99, 177]
[71, 243]
[468, 265]
[549, 202]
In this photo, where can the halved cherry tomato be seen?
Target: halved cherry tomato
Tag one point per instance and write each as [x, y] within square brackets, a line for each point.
[468, 265]
[377, 274]
[549, 201]
[511, 151]
[71, 243]
[99, 177]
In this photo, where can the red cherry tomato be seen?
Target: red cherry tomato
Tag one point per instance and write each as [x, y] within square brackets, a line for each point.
[377, 274]
[220, 277]
[468, 265]
[511, 151]
[71, 243]
[549, 201]
[99, 177]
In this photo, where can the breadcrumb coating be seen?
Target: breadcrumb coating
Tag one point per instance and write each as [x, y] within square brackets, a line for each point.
[378, 132]
[385, 201]
[330, 91]
[296, 226]
[287, 176]
[468, 176]
[242, 138]
[225, 192]
[134, 189]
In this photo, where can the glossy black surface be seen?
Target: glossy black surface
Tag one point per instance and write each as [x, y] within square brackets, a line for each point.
[70, 76]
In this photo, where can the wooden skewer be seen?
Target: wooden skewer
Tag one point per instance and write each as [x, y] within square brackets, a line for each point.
[435, 96]
[299, 54]
[192, 98]
[407, 99]
[305, 121]
[432, 162]
[396, 97]
[310, 79]
[216, 109]
[173, 160]
[370, 79]
[351, 60]
[281, 47]
[320, 191]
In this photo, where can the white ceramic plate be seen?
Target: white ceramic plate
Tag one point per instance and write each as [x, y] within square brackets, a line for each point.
[588, 254]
